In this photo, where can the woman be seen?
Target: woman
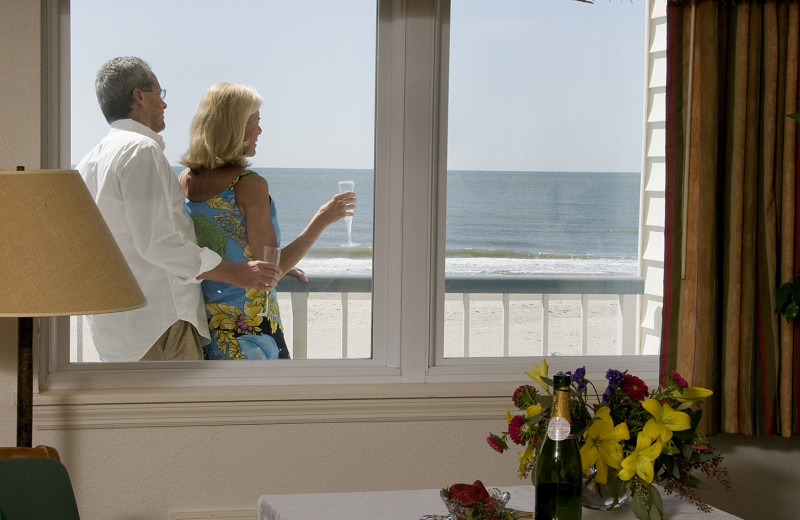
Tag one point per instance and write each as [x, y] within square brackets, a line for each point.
[235, 216]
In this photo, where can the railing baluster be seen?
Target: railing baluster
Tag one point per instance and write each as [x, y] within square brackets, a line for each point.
[465, 305]
[626, 324]
[345, 322]
[545, 324]
[584, 324]
[300, 325]
[79, 338]
[506, 322]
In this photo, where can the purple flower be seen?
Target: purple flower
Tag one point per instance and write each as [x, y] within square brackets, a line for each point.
[615, 377]
[580, 377]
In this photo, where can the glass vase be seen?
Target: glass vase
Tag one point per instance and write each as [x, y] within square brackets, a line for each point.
[614, 494]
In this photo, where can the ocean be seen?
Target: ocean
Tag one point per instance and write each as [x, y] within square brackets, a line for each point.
[497, 222]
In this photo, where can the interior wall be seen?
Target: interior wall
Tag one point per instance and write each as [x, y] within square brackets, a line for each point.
[146, 473]
[20, 62]
[762, 470]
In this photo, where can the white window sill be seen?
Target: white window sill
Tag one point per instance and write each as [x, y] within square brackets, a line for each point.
[296, 404]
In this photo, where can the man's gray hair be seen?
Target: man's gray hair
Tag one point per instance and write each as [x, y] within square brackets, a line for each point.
[115, 82]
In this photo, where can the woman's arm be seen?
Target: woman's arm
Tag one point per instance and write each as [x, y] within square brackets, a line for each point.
[252, 197]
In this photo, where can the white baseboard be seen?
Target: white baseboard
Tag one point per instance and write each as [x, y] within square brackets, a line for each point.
[214, 515]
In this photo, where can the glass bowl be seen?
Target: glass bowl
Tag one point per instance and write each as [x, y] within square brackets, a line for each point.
[482, 510]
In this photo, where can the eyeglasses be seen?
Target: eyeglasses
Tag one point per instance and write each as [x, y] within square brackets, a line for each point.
[161, 91]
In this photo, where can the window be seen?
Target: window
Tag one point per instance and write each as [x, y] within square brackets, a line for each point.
[408, 283]
[544, 164]
[314, 64]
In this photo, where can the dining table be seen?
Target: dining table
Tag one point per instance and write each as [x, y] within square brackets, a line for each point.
[426, 504]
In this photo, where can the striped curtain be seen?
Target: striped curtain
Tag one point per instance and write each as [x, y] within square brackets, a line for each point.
[732, 218]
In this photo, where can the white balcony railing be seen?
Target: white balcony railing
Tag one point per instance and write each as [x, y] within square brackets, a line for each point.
[353, 291]
[542, 288]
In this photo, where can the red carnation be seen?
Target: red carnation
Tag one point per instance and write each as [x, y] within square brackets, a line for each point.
[681, 382]
[496, 443]
[515, 429]
[634, 387]
[523, 391]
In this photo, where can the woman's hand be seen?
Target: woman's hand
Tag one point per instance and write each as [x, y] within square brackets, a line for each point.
[299, 273]
[257, 274]
[340, 206]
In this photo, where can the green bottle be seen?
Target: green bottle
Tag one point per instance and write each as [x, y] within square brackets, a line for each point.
[558, 476]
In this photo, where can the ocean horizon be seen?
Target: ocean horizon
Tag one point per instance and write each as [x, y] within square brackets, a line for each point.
[565, 223]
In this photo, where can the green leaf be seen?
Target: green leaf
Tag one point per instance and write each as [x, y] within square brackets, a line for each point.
[790, 312]
[782, 295]
[795, 116]
[656, 504]
[640, 507]
[702, 456]
[696, 483]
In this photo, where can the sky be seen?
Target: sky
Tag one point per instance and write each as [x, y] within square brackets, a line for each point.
[535, 85]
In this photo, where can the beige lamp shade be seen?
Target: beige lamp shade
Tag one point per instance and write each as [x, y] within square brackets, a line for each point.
[57, 256]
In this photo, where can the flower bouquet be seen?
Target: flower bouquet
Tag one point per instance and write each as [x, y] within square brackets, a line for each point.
[629, 433]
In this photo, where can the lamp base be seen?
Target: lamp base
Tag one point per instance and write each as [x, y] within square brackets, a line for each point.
[25, 382]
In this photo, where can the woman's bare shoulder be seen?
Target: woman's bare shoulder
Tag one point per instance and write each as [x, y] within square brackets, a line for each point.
[253, 181]
[205, 184]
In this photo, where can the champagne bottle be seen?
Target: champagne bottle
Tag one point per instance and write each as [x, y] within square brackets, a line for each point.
[558, 477]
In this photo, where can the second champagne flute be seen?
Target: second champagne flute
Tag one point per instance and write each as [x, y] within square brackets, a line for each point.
[344, 187]
[272, 254]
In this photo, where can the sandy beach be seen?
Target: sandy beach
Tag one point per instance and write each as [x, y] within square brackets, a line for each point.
[485, 327]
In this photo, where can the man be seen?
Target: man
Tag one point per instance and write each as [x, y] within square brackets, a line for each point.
[142, 202]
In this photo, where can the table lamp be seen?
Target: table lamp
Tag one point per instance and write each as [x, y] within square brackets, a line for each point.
[57, 258]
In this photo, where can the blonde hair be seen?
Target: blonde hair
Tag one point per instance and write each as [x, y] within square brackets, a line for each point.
[216, 136]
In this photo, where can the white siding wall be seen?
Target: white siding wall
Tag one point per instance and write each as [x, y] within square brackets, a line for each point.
[651, 230]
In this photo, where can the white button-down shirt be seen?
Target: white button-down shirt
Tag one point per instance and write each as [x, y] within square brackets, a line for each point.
[142, 202]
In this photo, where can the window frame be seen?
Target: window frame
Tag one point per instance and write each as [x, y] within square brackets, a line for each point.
[408, 280]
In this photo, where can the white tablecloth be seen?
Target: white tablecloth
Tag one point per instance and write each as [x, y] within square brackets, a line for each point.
[412, 505]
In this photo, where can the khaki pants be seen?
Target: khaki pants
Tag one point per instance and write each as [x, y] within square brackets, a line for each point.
[180, 341]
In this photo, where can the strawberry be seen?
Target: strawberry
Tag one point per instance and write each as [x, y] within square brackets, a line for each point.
[478, 485]
[467, 494]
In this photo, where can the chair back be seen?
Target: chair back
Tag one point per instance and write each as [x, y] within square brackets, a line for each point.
[35, 485]
[39, 452]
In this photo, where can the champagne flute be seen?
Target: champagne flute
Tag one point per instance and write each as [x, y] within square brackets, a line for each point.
[272, 254]
[345, 186]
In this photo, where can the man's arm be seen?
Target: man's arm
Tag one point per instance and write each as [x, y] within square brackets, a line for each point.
[247, 275]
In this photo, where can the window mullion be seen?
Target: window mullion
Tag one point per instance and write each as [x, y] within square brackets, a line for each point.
[420, 173]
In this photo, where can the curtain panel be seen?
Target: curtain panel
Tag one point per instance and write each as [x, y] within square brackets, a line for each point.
[732, 219]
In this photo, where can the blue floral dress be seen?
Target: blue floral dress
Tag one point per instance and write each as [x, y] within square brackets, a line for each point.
[237, 330]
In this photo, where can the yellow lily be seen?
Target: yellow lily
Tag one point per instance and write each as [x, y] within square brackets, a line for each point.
[533, 410]
[538, 372]
[509, 415]
[665, 420]
[640, 462]
[524, 458]
[602, 447]
[690, 395]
